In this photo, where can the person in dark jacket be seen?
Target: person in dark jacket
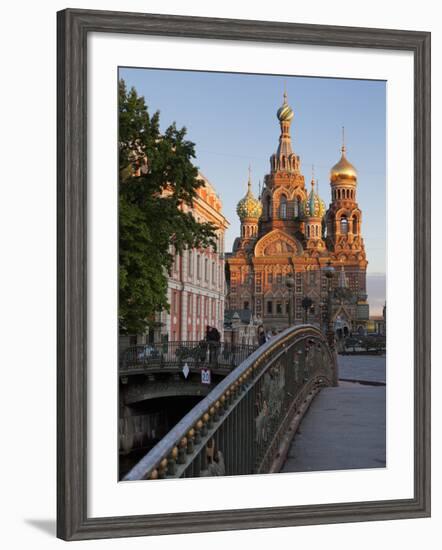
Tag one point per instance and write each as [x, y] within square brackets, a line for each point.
[262, 338]
[213, 338]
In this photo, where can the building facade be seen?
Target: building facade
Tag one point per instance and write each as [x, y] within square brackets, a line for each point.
[196, 285]
[288, 231]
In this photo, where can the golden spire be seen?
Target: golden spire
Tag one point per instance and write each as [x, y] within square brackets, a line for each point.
[249, 182]
[343, 149]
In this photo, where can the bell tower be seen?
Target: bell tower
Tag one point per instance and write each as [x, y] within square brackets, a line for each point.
[284, 186]
[344, 216]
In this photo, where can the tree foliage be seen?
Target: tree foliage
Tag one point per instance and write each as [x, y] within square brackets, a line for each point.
[157, 181]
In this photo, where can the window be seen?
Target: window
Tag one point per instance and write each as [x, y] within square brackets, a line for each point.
[355, 225]
[279, 278]
[270, 278]
[206, 269]
[269, 306]
[269, 207]
[213, 273]
[278, 308]
[283, 207]
[189, 265]
[344, 225]
[198, 266]
[246, 305]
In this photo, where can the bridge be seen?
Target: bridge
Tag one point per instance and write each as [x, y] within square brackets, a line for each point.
[246, 420]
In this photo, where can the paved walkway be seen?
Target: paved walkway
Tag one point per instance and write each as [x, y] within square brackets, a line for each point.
[345, 426]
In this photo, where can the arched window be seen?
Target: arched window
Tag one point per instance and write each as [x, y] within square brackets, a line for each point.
[344, 225]
[269, 206]
[283, 207]
[308, 232]
[355, 225]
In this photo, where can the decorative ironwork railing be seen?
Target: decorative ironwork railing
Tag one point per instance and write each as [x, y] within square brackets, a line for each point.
[242, 425]
[216, 355]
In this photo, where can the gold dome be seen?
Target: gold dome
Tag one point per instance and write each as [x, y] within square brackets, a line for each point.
[343, 169]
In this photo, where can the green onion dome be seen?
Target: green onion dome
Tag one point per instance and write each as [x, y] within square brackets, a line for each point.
[313, 206]
[249, 206]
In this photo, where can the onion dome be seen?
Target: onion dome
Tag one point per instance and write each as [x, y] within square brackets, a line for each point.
[249, 206]
[285, 112]
[343, 169]
[313, 206]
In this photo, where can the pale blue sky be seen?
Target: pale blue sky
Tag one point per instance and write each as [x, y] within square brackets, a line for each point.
[232, 120]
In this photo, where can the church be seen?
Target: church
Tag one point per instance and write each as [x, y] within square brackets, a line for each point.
[287, 233]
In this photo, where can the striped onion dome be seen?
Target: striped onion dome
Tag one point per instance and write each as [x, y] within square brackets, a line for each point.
[313, 206]
[249, 206]
[285, 112]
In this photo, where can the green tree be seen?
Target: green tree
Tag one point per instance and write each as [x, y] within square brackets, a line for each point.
[157, 181]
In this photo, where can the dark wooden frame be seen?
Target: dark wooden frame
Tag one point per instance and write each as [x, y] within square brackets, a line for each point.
[73, 28]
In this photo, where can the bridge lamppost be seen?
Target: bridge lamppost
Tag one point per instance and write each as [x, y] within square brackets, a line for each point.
[290, 284]
[329, 272]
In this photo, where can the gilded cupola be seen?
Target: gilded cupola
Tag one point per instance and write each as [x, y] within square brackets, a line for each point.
[343, 169]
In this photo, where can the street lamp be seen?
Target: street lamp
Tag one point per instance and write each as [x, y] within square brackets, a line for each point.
[290, 284]
[329, 272]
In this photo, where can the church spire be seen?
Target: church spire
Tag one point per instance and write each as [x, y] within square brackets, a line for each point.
[284, 159]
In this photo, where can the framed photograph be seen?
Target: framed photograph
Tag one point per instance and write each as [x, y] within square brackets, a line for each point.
[240, 204]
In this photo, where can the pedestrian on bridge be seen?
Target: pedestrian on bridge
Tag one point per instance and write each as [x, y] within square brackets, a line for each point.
[213, 339]
[262, 337]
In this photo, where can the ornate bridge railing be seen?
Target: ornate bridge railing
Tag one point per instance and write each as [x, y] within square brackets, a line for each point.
[173, 355]
[241, 427]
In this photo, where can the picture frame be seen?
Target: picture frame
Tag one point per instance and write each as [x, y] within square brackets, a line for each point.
[73, 28]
